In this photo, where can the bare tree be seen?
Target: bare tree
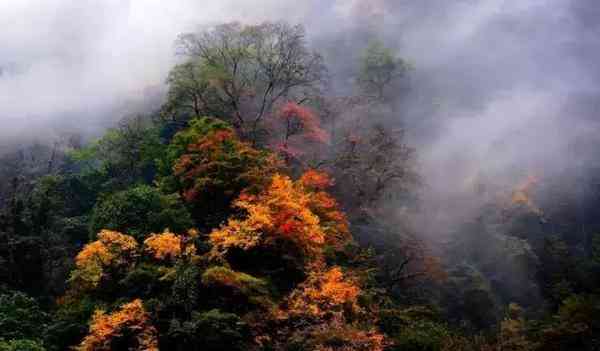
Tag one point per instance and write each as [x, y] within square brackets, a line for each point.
[238, 72]
[371, 162]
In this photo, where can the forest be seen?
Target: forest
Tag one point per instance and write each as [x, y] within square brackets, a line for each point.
[274, 193]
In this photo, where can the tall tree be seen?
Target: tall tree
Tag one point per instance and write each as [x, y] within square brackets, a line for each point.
[379, 68]
[239, 72]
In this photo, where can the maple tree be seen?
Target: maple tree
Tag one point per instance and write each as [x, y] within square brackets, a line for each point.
[296, 128]
[112, 250]
[129, 326]
[211, 166]
[219, 163]
[325, 292]
[167, 245]
[326, 305]
[282, 212]
[332, 220]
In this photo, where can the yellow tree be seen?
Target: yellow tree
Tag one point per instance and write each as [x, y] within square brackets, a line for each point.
[112, 251]
[170, 246]
[326, 306]
[286, 211]
[129, 326]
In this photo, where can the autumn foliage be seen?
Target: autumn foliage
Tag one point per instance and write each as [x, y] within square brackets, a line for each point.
[315, 180]
[112, 250]
[217, 223]
[167, 246]
[266, 265]
[333, 221]
[285, 211]
[522, 195]
[299, 126]
[327, 304]
[219, 164]
[130, 322]
[209, 166]
[325, 292]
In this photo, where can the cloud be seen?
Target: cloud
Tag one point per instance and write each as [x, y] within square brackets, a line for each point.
[488, 72]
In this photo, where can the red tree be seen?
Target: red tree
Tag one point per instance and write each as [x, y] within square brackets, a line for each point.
[299, 126]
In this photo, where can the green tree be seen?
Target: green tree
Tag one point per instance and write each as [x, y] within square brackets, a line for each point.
[20, 317]
[123, 156]
[239, 72]
[379, 68]
[21, 345]
[211, 331]
[209, 166]
[576, 326]
[140, 211]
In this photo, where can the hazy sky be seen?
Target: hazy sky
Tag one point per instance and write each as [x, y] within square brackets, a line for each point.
[79, 57]
[496, 83]
[64, 55]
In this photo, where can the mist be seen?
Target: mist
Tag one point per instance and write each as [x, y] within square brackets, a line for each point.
[499, 89]
[453, 201]
[84, 64]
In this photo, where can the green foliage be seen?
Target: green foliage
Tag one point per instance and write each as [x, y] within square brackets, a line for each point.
[335, 338]
[40, 229]
[21, 345]
[122, 156]
[469, 296]
[20, 317]
[247, 284]
[227, 285]
[69, 323]
[186, 289]
[576, 326]
[211, 331]
[191, 93]
[414, 328]
[140, 211]
[557, 269]
[58, 204]
[379, 67]
[421, 336]
[144, 280]
[391, 320]
[197, 129]
[239, 72]
[595, 251]
[209, 166]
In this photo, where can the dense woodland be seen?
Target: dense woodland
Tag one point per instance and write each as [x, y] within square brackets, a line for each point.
[256, 210]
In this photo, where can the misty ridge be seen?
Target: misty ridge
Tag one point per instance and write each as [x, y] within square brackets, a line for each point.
[323, 175]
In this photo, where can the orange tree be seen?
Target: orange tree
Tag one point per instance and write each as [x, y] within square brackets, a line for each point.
[127, 327]
[285, 228]
[261, 278]
[264, 282]
[209, 166]
[295, 131]
[116, 268]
